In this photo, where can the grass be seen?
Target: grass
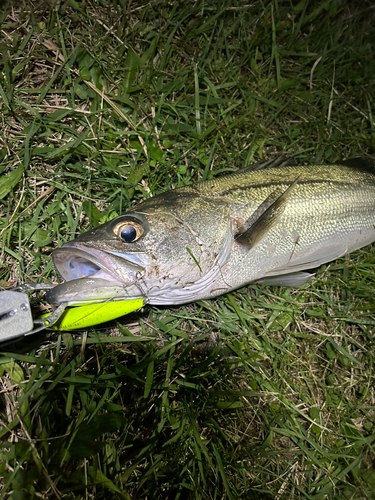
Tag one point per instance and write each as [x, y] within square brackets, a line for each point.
[265, 393]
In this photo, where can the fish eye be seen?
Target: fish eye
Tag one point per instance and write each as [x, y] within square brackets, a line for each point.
[128, 231]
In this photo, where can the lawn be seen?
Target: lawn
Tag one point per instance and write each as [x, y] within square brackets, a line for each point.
[267, 393]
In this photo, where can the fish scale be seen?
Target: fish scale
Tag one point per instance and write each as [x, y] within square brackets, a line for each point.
[267, 222]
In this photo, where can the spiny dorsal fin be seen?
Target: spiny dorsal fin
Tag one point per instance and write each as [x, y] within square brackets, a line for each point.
[281, 161]
[252, 231]
[367, 164]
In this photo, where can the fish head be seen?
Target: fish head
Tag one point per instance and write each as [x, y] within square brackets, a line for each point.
[162, 245]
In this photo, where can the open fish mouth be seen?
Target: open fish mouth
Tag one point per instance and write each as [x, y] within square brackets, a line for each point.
[75, 261]
[95, 275]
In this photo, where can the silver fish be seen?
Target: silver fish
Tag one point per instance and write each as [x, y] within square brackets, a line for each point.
[267, 222]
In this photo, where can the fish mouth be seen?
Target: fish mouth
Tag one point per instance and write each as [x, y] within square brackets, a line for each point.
[93, 275]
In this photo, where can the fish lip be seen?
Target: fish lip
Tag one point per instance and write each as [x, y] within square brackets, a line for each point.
[76, 260]
[87, 291]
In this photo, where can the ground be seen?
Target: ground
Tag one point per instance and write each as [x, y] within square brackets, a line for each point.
[265, 393]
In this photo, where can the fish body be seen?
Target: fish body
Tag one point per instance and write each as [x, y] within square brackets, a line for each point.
[268, 222]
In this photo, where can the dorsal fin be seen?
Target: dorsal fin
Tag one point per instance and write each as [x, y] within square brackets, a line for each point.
[367, 164]
[281, 161]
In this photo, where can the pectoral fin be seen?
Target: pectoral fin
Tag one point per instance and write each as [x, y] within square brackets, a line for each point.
[262, 220]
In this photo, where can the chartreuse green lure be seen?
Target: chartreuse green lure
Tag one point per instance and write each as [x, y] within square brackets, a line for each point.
[83, 316]
[16, 318]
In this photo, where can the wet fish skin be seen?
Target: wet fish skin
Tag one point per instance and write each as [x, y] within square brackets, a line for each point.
[204, 240]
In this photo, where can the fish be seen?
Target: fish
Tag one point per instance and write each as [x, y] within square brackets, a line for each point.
[270, 223]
